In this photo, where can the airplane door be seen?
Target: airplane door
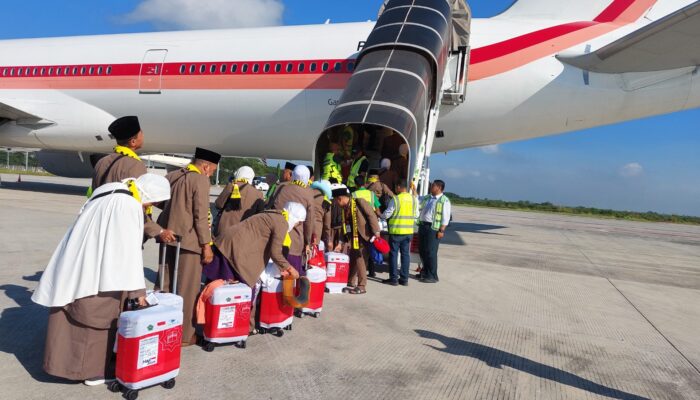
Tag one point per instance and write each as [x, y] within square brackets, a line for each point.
[152, 71]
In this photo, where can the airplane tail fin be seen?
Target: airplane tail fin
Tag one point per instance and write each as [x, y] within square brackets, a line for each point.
[586, 10]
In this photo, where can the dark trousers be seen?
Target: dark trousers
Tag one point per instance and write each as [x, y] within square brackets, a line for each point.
[399, 244]
[428, 247]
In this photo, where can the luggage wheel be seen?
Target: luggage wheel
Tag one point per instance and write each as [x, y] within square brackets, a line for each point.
[208, 347]
[241, 344]
[131, 394]
[317, 314]
[114, 387]
[298, 313]
[279, 332]
[288, 327]
[169, 384]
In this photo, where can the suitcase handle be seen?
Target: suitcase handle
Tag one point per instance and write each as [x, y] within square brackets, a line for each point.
[163, 246]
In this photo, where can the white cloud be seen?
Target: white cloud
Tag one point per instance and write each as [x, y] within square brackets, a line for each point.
[209, 14]
[631, 170]
[492, 149]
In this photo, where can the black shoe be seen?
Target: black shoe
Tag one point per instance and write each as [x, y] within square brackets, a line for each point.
[428, 280]
[403, 282]
[390, 282]
[372, 274]
[418, 276]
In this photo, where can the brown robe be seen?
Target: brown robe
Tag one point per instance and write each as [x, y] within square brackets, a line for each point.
[322, 218]
[380, 189]
[390, 178]
[187, 214]
[249, 245]
[400, 166]
[115, 168]
[300, 235]
[80, 336]
[367, 226]
[252, 202]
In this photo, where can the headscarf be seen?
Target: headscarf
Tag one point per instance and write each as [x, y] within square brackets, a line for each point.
[301, 174]
[385, 164]
[296, 213]
[244, 173]
[153, 188]
[325, 188]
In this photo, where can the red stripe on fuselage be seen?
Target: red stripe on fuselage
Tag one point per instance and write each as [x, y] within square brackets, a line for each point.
[614, 11]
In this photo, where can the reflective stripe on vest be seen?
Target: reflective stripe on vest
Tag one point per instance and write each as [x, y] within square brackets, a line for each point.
[437, 212]
[331, 169]
[404, 219]
[355, 171]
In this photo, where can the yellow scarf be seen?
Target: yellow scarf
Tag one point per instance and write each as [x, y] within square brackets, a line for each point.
[372, 179]
[287, 239]
[125, 151]
[300, 183]
[236, 192]
[192, 168]
[355, 236]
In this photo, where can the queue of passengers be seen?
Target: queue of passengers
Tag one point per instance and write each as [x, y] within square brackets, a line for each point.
[97, 271]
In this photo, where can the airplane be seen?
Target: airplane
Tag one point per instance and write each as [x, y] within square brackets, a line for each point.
[425, 70]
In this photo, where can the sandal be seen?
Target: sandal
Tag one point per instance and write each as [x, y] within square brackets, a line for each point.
[349, 289]
[357, 290]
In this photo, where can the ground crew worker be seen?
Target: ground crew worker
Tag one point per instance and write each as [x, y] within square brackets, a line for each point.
[435, 214]
[97, 266]
[124, 163]
[242, 252]
[360, 226]
[239, 200]
[188, 214]
[359, 168]
[401, 216]
[297, 191]
[383, 192]
[331, 164]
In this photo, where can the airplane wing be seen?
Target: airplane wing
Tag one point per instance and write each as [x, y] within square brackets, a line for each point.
[15, 114]
[671, 42]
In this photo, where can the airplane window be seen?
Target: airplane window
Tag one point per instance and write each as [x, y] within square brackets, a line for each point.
[75, 70]
[324, 67]
[223, 68]
[58, 71]
[212, 69]
[43, 71]
[312, 68]
[289, 67]
[301, 67]
[12, 72]
[351, 66]
[234, 68]
[182, 69]
[109, 70]
[91, 70]
[4, 72]
[278, 67]
[50, 71]
[192, 67]
[244, 68]
[19, 71]
[66, 71]
[266, 68]
[34, 71]
[99, 70]
[26, 71]
[202, 68]
[82, 71]
[256, 68]
[337, 67]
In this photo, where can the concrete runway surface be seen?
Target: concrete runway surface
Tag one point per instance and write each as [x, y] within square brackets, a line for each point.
[529, 306]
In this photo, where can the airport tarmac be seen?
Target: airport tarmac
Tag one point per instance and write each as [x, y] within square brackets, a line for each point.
[529, 306]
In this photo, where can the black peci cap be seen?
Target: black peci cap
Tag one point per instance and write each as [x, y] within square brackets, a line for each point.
[207, 155]
[125, 127]
[311, 170]
[341, 191]
[290, 166]
[373, 172]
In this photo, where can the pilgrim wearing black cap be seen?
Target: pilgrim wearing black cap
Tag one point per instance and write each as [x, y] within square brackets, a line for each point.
[287, 173]
[358, 226]
[188, 214]
[124, 163]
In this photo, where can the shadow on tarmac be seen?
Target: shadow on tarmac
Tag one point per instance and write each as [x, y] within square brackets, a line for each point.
[495, 358]
[43, 187]
[23, 330]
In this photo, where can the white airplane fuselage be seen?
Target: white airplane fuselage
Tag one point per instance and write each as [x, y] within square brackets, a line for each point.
[277, 114]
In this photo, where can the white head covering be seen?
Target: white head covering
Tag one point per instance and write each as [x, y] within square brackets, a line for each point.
[403, 150]
[297, 213]
[244, 173]
[301, 173]
[153, 188]
[386, 163]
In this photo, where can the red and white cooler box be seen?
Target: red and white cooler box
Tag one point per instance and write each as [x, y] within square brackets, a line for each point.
[228, 314]
[148, 344]
[337, 272]
[317, 279]
[274, 312]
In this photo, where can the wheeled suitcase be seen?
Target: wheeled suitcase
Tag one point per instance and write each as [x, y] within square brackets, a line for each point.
[337, 272]
[149, 343]
[275, 314]
[317, 279]
[228, 316]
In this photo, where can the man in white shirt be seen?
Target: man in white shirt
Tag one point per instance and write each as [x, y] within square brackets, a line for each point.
[435, 214]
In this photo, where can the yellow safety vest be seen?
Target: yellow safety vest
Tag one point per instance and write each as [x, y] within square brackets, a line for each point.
[403, 221]
[331, 169]
[355, 171]
[364, 194]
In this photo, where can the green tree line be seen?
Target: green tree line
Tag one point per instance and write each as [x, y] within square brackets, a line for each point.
[587, 211]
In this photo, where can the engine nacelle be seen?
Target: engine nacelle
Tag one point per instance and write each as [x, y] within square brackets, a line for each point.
[66, 164]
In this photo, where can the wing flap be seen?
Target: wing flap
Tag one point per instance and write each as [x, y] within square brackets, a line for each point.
[670, 43]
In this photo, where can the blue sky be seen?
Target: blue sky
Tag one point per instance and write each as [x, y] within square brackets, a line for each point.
[651, 164]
